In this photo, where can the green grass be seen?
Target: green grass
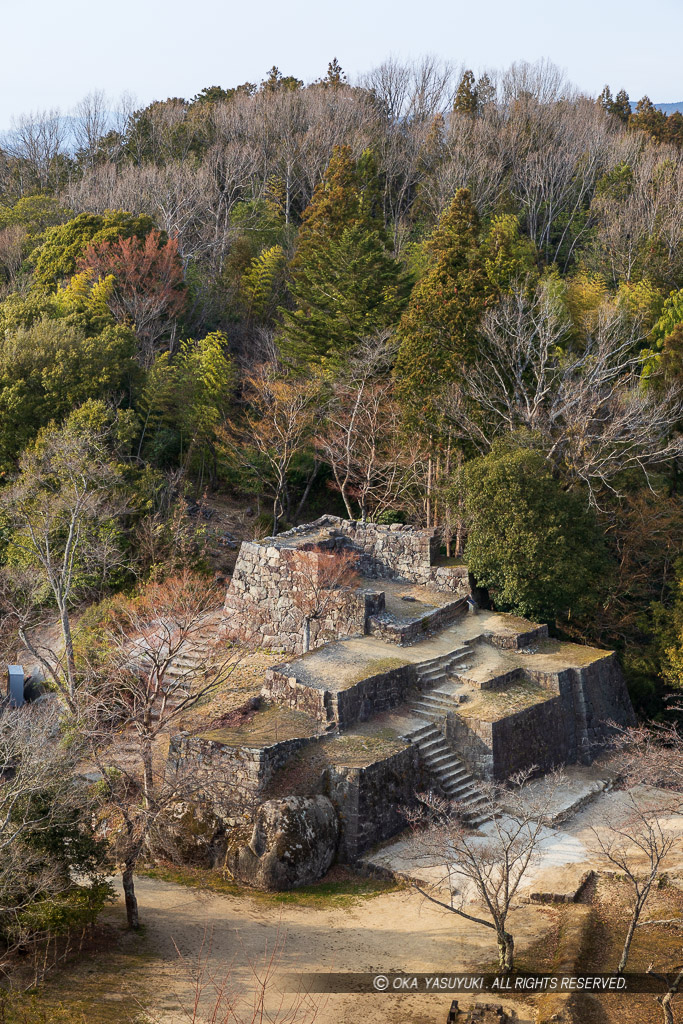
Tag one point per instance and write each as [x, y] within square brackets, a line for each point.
[328, 893]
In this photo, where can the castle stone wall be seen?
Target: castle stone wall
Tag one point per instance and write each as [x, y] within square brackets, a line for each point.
[565, 729]
[266, 601]
[369, 801]
[410, 632]
[229, 778]
[343, 708]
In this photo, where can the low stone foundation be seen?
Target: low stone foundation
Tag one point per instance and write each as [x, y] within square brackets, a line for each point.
[566, 728]
[230, 778]
[369, 801]
[410, 632]
[520, 640]
[343, 708]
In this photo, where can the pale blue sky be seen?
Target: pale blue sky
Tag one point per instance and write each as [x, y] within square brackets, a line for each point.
[55, 52]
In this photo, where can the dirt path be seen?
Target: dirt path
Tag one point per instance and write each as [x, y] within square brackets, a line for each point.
[390, 932]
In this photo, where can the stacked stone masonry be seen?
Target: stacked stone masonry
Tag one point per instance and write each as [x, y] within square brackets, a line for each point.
[564, 729]
[266, 601]
[371, 801]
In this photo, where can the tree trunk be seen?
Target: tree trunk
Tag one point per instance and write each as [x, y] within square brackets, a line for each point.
[276, 517]
[459, 537]
[506, 952]
[627, 943]
[306, 640]
[129, 893]
[69, 658]
[349, 510]
[667, 1009]
[307, 491]
[148, 771]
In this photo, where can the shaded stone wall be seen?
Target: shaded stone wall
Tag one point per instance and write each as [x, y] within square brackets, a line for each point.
[270, 592]
[373, 695]
[564, 729]
[472, 740]
[410, 632]
[596, 695]
[230, 778]
[402, 552]
[288, 691]
[542, 735]
[369, 801]
[520, 640]
[342, 708]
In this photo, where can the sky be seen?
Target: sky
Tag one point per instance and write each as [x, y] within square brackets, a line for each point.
[55, 53]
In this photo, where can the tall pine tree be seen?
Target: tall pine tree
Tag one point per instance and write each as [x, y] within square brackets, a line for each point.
[344, 281]
[438, 331]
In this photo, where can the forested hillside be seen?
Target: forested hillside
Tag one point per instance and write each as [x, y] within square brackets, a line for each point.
[425, 297]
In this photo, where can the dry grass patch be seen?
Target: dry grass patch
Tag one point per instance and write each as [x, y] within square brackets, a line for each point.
[490, 705]
[373, 667]
[270, 725]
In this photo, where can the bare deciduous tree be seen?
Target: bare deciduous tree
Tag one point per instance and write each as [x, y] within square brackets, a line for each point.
[639, 846]
[492, 865]
[37, 140]
[59, 507]
[42, 797]
[320, 581]
[361, 435]
[153, 665]
[273, 431]
[90, 120]
[585, 402]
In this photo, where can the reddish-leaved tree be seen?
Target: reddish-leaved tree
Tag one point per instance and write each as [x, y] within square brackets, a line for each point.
[148, 289]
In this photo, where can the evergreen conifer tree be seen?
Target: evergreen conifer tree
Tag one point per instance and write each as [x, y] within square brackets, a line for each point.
[438, 331]
[466, 100]
[345, 283]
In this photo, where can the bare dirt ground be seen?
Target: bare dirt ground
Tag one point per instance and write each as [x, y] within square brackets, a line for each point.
[392, 932]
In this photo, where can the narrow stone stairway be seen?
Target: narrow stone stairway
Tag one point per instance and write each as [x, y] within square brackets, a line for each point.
[192, 660]
[435, 702]
[453, 778]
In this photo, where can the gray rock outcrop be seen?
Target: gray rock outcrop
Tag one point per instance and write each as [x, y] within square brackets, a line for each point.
[292, 843]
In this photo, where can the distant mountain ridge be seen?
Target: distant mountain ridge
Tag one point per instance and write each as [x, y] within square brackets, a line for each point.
[669, 108]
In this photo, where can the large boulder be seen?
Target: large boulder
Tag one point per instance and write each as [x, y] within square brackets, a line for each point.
[293, 842]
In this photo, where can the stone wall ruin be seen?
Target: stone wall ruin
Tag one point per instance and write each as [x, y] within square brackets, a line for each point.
[265, 600]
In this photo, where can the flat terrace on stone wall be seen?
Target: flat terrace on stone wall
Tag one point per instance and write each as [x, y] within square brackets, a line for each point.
[336, 578]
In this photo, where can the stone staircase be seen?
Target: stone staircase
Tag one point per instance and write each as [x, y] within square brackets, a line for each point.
[191, 660]
[453, 778]
[434, 703]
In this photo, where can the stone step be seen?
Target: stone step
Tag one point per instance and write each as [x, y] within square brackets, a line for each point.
[435, 761]
[438, 714]
[428, 715]
[434, 705]
[456, 774]
[429, 710]
[435, 744]
[431, 697]
[436, 752]
[472, 805]
[463, 793]
[479, 820]
[444, 661]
